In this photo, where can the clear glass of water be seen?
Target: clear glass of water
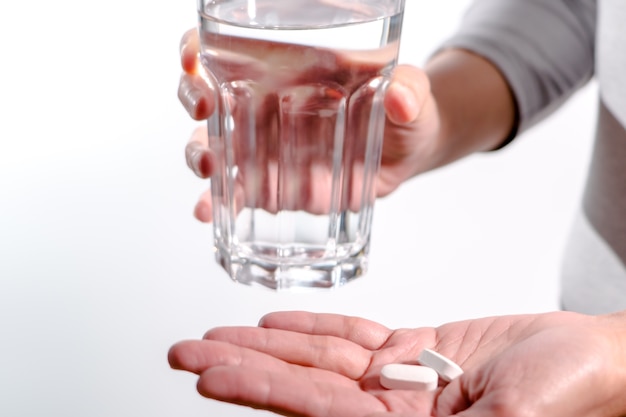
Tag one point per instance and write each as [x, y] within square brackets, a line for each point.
[297, 133]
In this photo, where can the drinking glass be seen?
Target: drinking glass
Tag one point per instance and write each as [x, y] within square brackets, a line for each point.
[297, 132]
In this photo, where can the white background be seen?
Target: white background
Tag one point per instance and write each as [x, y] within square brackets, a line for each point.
[103, 267]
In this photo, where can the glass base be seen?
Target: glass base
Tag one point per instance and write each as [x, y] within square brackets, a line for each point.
[293, 277]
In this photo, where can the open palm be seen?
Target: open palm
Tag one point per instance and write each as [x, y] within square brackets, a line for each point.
[325, 365]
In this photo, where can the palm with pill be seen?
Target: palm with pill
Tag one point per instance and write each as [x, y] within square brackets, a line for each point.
[321, 365]
[410, 132]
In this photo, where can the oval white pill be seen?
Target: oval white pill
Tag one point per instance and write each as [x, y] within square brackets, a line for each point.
[446, 368]
[404, 376]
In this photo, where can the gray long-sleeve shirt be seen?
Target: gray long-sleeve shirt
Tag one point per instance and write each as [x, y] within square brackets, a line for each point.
[547, 50]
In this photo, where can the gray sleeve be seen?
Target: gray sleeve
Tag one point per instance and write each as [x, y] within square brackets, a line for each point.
[544, 48]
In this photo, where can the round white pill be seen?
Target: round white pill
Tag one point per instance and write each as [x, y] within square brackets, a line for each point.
[404, 376]
[446, 368]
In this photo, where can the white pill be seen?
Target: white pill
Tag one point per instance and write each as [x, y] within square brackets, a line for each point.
[446, 368]
[404, 376]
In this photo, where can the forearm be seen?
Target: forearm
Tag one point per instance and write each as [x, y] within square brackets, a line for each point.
[475, 104]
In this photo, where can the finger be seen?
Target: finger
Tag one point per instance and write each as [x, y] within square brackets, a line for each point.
[404, 403]
[455, 398]
[393, 414]
[196, 96]
[423, 409]
[324, 352]
[406, 94]
[197, 356]
[189, 48]
[203, 210]
[365, 333]
[284, 393]
[197, 154]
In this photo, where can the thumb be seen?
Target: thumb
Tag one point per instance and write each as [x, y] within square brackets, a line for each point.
[406, 94]
[455, 400]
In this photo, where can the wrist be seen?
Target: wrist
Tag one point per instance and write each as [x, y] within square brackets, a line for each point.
[614, 330]
[474, 101]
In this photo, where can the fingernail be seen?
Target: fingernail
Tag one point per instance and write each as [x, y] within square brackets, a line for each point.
[192, 97]
[403, 105]
[195, 159]
[408, 95]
